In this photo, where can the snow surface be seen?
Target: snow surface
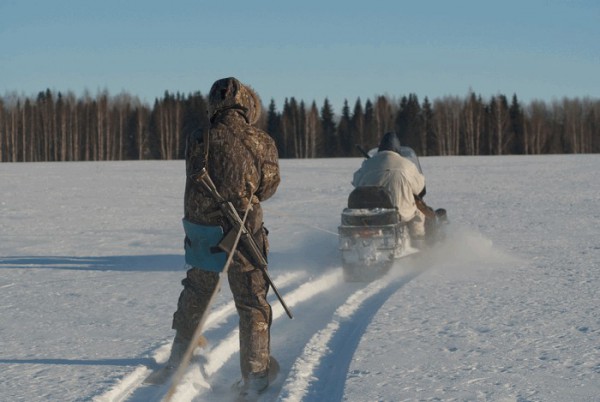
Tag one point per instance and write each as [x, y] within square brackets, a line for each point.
[91, 258]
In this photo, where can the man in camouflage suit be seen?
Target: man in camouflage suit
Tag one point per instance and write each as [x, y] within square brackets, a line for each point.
[243, 163]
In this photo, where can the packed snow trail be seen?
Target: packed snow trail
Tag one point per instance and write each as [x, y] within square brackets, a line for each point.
[305, 347]
[334, 345]
[131, 387]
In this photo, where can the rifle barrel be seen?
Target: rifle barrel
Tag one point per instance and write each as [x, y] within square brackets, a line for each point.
[362, 151]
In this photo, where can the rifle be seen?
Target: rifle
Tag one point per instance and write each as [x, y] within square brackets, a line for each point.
[238, 227]
[362, 151]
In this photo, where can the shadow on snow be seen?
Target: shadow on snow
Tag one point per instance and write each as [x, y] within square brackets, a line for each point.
[83, 362]
[158, 262]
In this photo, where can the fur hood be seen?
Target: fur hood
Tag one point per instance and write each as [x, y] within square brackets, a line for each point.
[230, 93]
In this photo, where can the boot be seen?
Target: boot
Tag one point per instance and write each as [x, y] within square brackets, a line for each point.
[441, 215]
[257, 383]
[179, 348]
[250, 388]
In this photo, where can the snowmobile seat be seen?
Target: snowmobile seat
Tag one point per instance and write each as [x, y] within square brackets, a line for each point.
[370, 217]
[370, 197]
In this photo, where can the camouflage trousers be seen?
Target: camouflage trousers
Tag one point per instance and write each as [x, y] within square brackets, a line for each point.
[249, 288]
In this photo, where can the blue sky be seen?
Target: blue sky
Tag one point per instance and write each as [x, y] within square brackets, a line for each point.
[310, 50]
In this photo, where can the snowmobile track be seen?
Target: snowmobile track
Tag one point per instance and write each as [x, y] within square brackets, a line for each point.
[334, 345]
[330, 337]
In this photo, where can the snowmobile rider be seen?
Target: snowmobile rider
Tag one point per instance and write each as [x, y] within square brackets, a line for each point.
[400, 176]
[243, 162]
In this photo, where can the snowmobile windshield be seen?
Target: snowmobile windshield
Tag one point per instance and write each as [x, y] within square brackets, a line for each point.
[407, 152]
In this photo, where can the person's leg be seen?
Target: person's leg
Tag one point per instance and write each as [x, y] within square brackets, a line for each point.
[198, 289]
[249, 290]
[416, 229]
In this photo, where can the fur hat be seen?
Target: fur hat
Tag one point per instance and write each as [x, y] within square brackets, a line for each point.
[230, 93]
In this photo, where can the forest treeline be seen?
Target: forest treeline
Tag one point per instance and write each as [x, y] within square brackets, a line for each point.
[64, 127]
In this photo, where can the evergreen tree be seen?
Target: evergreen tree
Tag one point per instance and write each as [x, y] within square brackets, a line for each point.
[517, 123]
[427, 139]
[384, 116]
[344, 131]
[195, 117]
[371, 137]
[289, 127]
[284, 132]
[328, 126]
[274, 126]
[302, 132]
[408, 122]
[357, 127]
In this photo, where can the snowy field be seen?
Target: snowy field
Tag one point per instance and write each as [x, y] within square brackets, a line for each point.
[507, 309]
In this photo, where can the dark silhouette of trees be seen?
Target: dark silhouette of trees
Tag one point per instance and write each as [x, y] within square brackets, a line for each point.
[371, 133]
[344, 132]
[329, 132]
[358, 128]
[274, 127]
[427, 134]
[55, 126]
[409, 122]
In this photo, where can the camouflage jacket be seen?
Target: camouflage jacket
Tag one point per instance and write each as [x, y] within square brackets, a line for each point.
[242, 160]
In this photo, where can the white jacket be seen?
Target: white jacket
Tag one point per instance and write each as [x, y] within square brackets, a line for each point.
[398, 174]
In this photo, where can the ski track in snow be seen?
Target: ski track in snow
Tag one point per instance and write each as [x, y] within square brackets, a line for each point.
[333, 346]
[126, 388]
[328, 343]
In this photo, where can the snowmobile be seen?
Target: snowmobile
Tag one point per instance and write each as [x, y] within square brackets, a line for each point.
[371, 234]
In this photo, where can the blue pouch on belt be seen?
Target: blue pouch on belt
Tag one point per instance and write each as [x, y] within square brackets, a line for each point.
[199, 242]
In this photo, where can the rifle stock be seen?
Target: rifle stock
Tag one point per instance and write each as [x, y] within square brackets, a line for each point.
[228, 242]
